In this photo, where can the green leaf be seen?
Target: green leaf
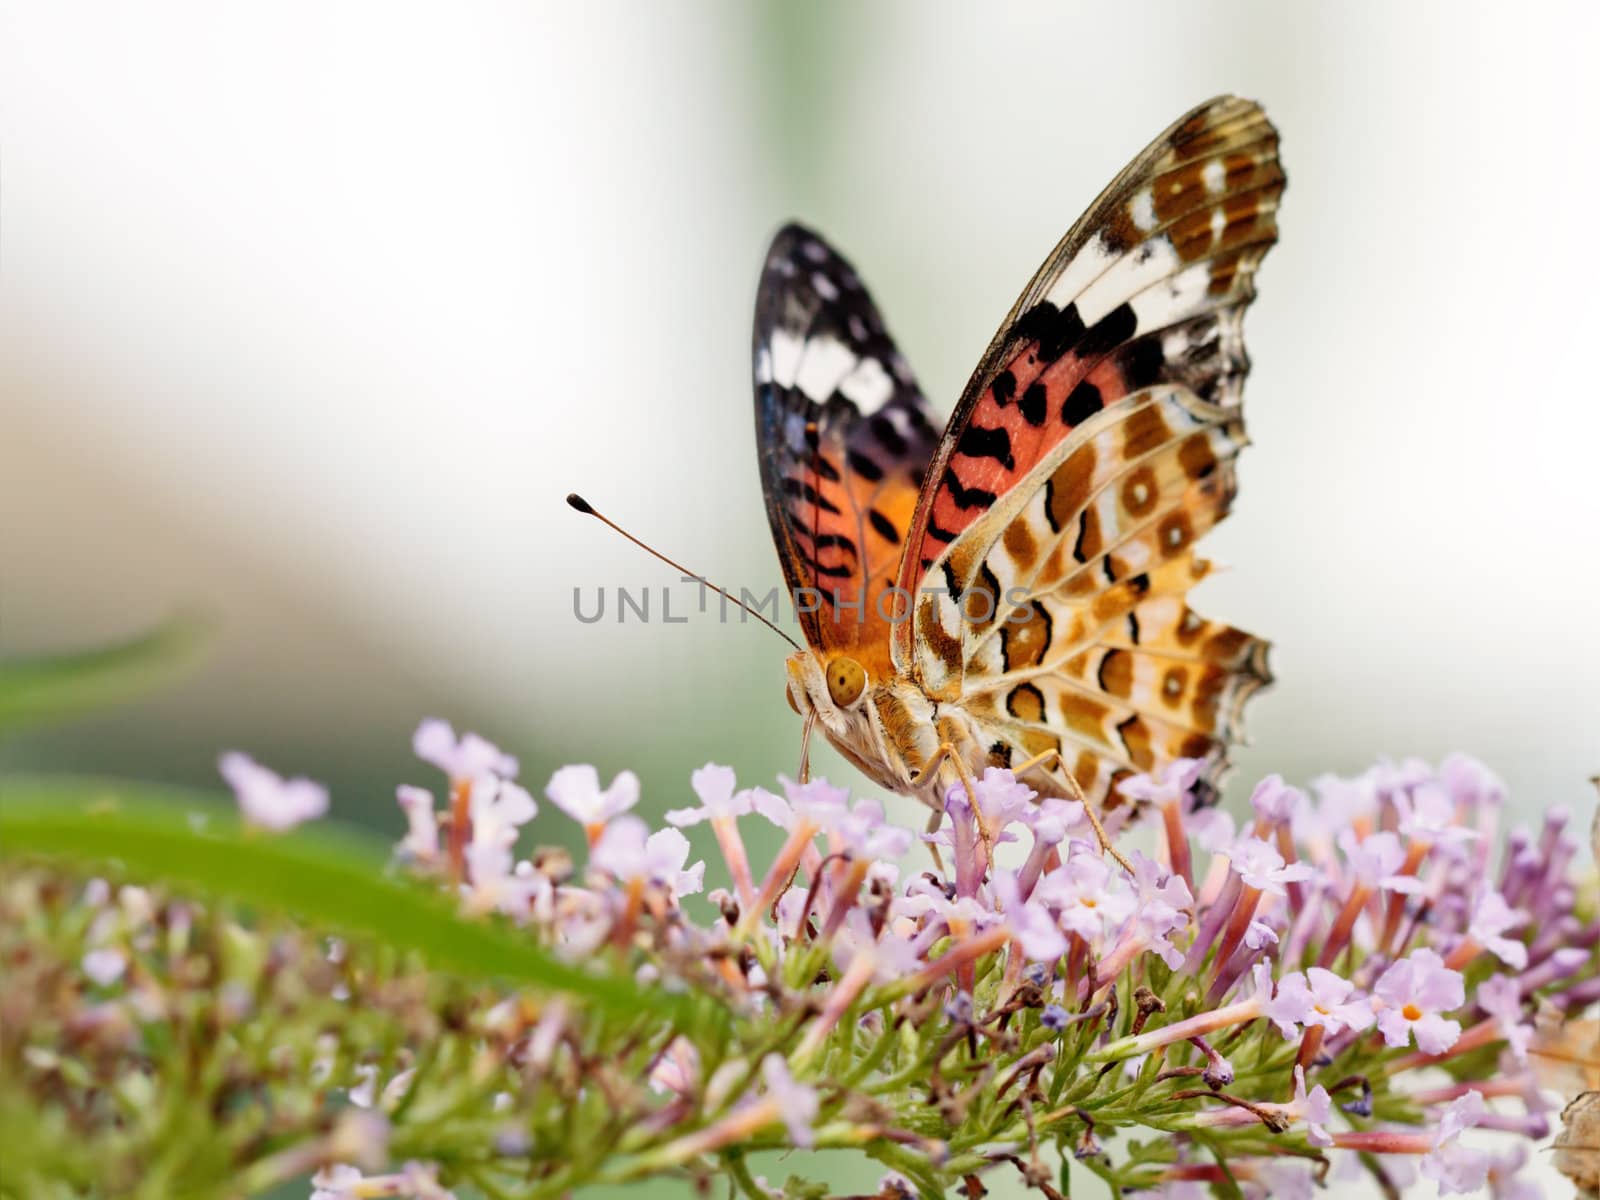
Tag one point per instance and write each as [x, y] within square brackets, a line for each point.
[55, 687]
[330, 878]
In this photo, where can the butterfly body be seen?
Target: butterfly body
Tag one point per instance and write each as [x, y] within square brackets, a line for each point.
[1014, 590]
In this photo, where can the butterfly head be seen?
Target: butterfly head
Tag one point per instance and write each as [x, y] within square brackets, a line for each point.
[835, 689]
[857, 713]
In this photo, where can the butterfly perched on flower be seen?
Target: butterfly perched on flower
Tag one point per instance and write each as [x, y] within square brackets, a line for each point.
[1012, 591]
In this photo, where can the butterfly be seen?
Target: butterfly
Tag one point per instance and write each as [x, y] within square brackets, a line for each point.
[1012, 591]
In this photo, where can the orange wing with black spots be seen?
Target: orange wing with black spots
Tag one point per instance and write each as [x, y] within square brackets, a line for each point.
[1093, 650]
[1149, 287]
[1052, 549]
[844, 437]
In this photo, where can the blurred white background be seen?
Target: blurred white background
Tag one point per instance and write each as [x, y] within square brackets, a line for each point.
[311, 314]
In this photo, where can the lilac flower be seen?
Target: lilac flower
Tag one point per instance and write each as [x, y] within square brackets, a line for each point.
[340, 1181]
[335, 1182]
[796, 1103]
[1000, 802]
[960, 916]
[817, 804]
[421, 842]
[787, 910]
[1053, 820]
[366, 1088]
[1257, 936]
[722, 806]
[1414, 994]
[1261, 867]
[888, 955]
[677, 1069]
[1428, 816]
[863, 956]
[1162, 908]
[714, 785]
[1321, 999]
[1471, 783]
[1001, 799]
[1501, 997]
[866, 834]
[1342, 804]
[1395, 779]
[969, 851]
[1033, 927]
[1275, 802]
[627, 850]
[919, 897]
[1088, 898]
[266, 799]
[1375, 861]
[1055, 1018]
[1559, 965]
[1454, 1167]
[105, 965]
[584, 925]
[395, 1090]
[1214, 831]
[1173, 784]
[496, 885]
[463, 758]
[1492, 918]
[576, 791]
[865, 978]
[1315, 1108]
[1164, 899]
[498, 809]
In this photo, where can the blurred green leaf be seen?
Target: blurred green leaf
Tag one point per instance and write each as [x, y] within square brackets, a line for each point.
[332, 879]
[54, 687]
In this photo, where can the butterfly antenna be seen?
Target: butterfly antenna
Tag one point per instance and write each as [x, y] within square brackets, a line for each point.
[583, 506]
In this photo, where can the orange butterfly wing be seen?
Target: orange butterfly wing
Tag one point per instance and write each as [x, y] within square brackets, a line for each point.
[1051, 549]
[844, 438]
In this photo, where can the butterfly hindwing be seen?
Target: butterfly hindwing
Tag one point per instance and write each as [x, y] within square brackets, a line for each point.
[1092, 650]
[1094, 445]
[844, 438]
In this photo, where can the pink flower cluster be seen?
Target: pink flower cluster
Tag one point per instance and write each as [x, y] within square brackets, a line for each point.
[1325, 970]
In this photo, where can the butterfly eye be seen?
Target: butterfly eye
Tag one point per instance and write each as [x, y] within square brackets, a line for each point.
[846, 681]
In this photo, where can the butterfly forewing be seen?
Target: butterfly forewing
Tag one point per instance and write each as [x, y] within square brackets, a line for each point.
[1093, 446]
[845, 438]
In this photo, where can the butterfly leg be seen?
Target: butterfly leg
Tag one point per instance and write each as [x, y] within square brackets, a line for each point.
[805, 747]
[948, 754]
[935, 819]
[1038, 761]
